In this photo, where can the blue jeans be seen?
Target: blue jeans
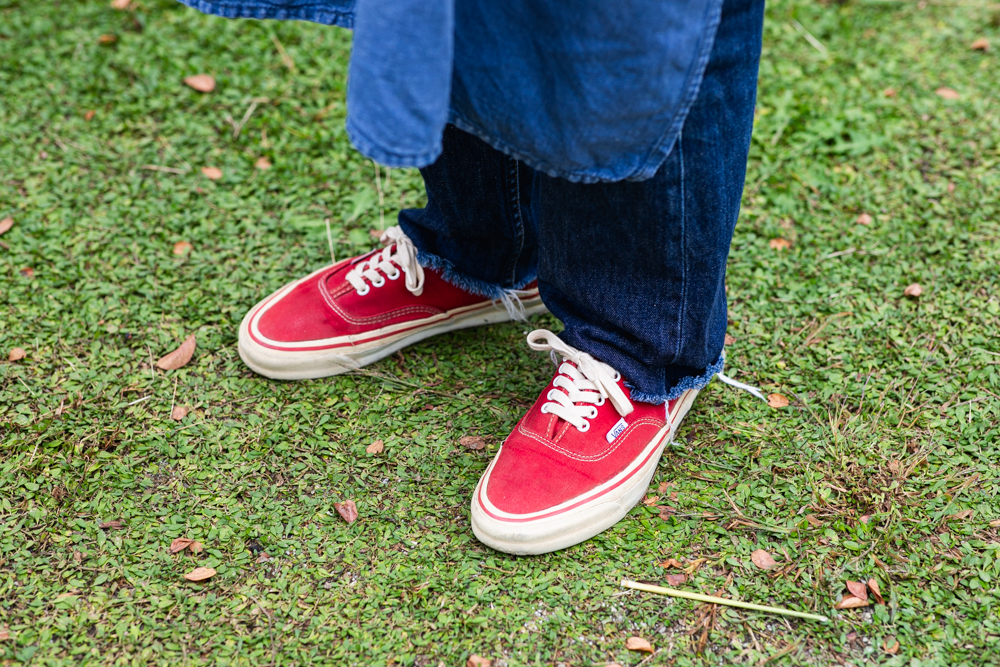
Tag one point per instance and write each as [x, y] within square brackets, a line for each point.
[635, 270]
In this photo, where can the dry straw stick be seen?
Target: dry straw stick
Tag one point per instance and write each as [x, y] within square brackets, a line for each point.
[715, 600]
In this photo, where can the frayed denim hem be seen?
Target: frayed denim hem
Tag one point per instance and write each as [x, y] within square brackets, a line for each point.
[506, 296]
[690, 382]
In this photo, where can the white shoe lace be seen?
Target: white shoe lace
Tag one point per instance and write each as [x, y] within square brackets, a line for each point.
[400, 252]
[581, 379]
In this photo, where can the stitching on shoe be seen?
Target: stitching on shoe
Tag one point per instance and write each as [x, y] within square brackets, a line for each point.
[601, 455]
[328, 298]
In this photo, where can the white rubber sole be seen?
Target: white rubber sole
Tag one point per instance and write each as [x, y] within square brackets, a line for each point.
[308, 364]
[527, 536]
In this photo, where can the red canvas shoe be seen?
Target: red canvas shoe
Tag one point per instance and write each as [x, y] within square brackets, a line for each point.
[577, 463]
[362, 309]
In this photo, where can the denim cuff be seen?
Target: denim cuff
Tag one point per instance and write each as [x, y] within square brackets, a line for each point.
[473, 285]
[685, 383]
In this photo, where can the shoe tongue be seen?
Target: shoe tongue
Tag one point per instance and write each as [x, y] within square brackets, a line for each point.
[547, 423]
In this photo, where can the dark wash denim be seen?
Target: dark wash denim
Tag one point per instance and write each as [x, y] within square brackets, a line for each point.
[541, 80]
[634, 269]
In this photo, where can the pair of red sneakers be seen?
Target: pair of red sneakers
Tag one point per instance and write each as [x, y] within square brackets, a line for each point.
[576, 463]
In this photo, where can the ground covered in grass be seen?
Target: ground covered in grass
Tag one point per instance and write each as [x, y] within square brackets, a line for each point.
[883, 466]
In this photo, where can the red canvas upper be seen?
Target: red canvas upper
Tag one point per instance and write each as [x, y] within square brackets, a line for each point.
[546, 461]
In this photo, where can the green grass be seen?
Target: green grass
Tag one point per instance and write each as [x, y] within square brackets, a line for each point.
[892, 429]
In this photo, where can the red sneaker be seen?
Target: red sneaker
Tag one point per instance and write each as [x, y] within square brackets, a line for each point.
[360, 310]
[577, 463]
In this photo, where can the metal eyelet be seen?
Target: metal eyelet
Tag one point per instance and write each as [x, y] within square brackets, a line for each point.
[395, 275]
[381, 281]
[365, 291]
[545, 409]
[618, 376]
[586, 428]
[593, 412]
[601, 401]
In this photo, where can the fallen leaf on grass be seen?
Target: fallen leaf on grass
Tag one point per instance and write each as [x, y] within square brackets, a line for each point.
[347, 510]
[477, 661]
[27, 272]
[214, 173]
[650, 500]
[873, 587]
[78, 556]
[729, 340]
[851, 602]
[981, 44]
[200, 574]
[947, 93]
[891, 645]
[676, 579]
[672, 562]
[473, 442]
[120, 4]
[6, 224]
[112, 525]
[376, 447]
[4, 634]
[263, 557]
[864, 219]
[178, 413]
[179, 357]
[762, 559]
[780, 244]
[858, 590]
[89, 115]
[995, 523]
[889, 92]
[107, 39]
[666, 512]
[262, 163]
[958, 516]
[913, 290]
[180, 544]
[196, 548]
[182, 248]
[814, 520]
[638, 644]
[777, 401]
[203, 83]
[16, 354]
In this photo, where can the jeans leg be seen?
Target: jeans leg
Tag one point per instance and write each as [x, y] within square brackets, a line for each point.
[636, 270]
[475, 228]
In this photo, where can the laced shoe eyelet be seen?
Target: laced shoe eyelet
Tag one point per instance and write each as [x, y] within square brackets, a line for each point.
[381, 281]
[545, 409]
[618, 376]
[593, 413]
[364, 291]
[394, 275]
[586, 427]
[601, 401]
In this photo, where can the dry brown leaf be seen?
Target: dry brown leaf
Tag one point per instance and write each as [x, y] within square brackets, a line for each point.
[4, 634]
[947, 93]
[213, 173]
[263, 557]
[262, 163]
[89, 115]
[182, 248]
[347, 510]
[180, 544]
[851, 602]
[676, 579]
[762, 559]
[913, 290]
[107, 39]
[200, 574]
[112, 525]
[376, 447]
[876, 593]
[958, 516]
[951, 188]
[120, 4]
[178, 413]
[891, 645]
[889, 92]
[777, 401]
[981, 44]
[179, 357]
[780, 244]
[614, 664]
[858, 590]
[666, 512]
[16, 354]
[814, 520]
[650, 500]
[6, 224]
[203, 83]
[196, 548]
[729, 340]
[864, 219]
[995, 523]
[78, 556]
[477, 661]
[473, 442]
[665, 486]
[27, 272]
[638, 644]
[672, 562]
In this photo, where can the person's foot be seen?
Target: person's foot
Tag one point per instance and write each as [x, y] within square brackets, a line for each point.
[360, 310]
[577, 462]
